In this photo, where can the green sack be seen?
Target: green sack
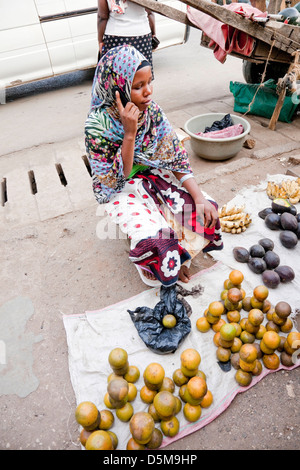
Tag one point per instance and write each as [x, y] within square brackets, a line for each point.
[264, 102]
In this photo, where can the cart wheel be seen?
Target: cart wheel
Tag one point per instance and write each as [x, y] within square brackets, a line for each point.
[253, 72]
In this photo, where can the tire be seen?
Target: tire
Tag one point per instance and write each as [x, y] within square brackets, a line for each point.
[253, 72]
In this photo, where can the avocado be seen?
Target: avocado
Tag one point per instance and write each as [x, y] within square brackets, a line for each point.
[272, 221]
[271, 259]
[241, 254]
[288, 238]
[280, 205]
[286, 273]
[288, 222]
[267, 244]
[270, 278]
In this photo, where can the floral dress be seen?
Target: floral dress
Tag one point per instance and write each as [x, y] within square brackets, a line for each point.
[151, 208]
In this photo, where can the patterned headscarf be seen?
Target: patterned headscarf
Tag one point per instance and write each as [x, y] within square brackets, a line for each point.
[156, 144]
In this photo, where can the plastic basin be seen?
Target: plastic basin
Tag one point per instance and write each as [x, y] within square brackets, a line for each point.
[215, 149]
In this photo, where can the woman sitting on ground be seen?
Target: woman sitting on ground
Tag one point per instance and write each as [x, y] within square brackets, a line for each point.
[142, 173]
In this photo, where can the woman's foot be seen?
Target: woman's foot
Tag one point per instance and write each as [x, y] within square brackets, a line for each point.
[148, 274]
[184, 274]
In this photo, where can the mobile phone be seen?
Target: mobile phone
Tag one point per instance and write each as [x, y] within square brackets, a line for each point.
[123, 98]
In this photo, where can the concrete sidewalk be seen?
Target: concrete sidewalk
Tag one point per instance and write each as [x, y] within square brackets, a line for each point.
[53, 264]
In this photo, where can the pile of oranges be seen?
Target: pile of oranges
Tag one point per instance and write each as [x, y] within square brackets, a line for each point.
[147, 428]
[234, 336]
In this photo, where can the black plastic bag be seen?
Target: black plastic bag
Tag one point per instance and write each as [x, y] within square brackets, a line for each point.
[226, 121]
[148, 322]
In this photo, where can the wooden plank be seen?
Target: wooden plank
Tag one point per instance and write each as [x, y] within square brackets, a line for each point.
[165, 10]
[270, 36]
[241, 23]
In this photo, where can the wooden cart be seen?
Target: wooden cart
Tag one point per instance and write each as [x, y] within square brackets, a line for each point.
[274, 41]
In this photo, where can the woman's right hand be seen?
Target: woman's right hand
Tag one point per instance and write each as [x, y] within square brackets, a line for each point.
[129, 116]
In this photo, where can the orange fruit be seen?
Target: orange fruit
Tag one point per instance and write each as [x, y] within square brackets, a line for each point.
[87, 415]
[237, 327]
[190, 358]
[84, 435]
[169, 321]
[133, 445]
[288, 348]
[153, 413]
[216, 339]
[247, 337]
[243, 378]
[246, 303]
[117, 358]
[132, 391]
[278, 320]
[171, 427]
[271, 361]
[261, 331]
[223, 354]
[231, 305]
[283, 309]
[216, 327]
[107, 419]
[99, 440]
[156, 439]
[261, 292]
[147, 395]
[271, 339]
[271, 326]
[265, 348]
[216, 308]
[207, 400]
[257, 369]
[255, 303]
[255, 316]
[233, 316]
[197, 387]
[247, 366]
[227, 332]
[237, 344]
[287, 326]
[125, 413]
[293, 339]
[165, 404]
[192, 412]
[225, 344]
[107, 401]
[189, 372]
[133, 374]
[250, 327]
[114, 439]
[167, 384]
[212, 319]
[236, 277]
[141, 426]
[234, 295]
[248, 353]
[224, 294]
[153, 375]
[202, 324]
[117, 389]
[243, 292]
[179, 377]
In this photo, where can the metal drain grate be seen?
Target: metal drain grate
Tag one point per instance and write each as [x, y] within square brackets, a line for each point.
[32, 182]
[3, 193]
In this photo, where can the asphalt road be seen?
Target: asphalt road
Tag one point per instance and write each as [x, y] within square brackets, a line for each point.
[55, 109]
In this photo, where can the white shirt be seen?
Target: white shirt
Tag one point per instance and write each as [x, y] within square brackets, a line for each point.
[134, 22]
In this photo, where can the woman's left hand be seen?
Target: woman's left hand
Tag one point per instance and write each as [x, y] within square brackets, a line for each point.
[207, 212]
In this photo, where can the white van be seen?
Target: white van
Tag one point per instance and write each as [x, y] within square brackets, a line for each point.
[44, 38]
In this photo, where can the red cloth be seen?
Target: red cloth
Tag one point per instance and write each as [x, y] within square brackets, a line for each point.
[230, 131]
[224, 38]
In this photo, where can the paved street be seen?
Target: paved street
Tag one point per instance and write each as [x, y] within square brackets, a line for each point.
[52, 258]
